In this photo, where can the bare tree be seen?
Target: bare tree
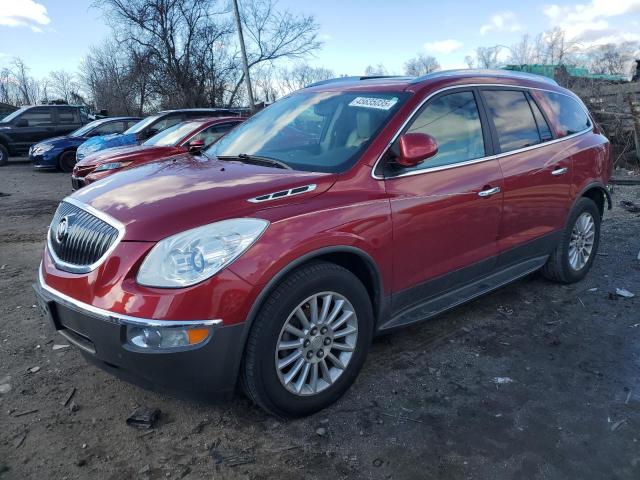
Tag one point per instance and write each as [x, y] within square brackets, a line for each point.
[613, 59]
[485, 57]
[301, 75]
[271, 35]
[63, 85]
[421, 64]
[378, 69]
[26, 85]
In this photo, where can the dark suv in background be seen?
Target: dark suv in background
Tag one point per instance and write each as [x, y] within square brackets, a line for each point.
[28, 125]
[147, 128]
[60, 152]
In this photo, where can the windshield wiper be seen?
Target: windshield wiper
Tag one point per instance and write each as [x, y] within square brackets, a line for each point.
[257, 160]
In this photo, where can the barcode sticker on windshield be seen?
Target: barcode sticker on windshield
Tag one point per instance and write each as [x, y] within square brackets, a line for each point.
[373, 102]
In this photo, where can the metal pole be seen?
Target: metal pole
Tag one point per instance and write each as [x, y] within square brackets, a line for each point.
[245, 63]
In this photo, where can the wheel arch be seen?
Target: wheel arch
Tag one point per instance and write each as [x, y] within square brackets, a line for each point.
[357, 261]
[62, 152]
[597, 192]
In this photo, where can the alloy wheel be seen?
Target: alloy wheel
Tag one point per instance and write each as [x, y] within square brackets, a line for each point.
[316, 343]
[582, 240]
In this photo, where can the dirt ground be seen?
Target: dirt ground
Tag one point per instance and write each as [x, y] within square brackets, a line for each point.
[537, 380]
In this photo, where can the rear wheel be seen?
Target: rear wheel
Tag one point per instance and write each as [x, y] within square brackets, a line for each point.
[573, 257]
[67, 161]
[4, 155]
[308, 342]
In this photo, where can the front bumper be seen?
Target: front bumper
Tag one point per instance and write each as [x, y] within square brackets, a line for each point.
[44, 161]
[208, 370]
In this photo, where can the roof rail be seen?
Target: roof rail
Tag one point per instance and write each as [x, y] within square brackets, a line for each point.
[479, 72]
[353, 79]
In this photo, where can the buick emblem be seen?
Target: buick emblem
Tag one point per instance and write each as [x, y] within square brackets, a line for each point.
[62, 230]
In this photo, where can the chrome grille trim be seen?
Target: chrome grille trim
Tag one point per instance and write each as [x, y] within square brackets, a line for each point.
[283, 193]
[95, 235]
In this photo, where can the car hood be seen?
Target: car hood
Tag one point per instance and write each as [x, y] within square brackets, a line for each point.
[159, 199]
[128, 153]
[62, 140]
[103, 142]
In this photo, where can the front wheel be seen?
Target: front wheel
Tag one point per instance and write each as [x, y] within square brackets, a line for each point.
[4, 155]
[573, 257]
[67, 161]
[308, 342]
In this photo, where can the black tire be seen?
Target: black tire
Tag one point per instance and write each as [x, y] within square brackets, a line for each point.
[67, 161]
[558, 267]
[259, 375]
[4, 155]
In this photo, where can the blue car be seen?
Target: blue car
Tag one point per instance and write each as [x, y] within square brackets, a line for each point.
[147, 128]
[60, 152]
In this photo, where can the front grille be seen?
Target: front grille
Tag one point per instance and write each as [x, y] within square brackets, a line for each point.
[78, 239]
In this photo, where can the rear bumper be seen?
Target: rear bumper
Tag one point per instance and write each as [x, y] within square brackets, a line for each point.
[206, 371]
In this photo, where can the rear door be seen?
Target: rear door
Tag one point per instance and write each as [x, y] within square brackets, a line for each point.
[38, 124]
[536, 174]
[446, 211]
[68, 120]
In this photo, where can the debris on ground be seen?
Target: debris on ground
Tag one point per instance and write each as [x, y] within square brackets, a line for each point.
[68, 396]
[73, 407]
[60, 347]
[5, 388]
[26, 412]
[595, 289]
[19, 439]
[231, 460]
[144, 417]
[630, 206]
[502, 380]
[34, 369]
[623, 292]
[617, 424]
[321, 431]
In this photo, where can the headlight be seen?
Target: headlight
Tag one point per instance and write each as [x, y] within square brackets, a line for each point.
[161, 338]
[111, 166]
[190, 257]
[39, 149]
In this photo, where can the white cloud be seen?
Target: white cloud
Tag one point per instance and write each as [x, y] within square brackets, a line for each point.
[443, 47]
[589, 22]
[24, 13]
[501, 22]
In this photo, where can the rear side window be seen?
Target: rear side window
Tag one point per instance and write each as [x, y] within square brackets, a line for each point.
[570, 116]
[513, 119]
[37, 116]
[68, 115]
[213, 133]
[453, 120]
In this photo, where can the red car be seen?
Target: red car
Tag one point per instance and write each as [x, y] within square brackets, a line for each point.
[276, 262]
[188, 136]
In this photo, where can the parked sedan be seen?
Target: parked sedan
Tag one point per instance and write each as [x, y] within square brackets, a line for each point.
[60, 152]
[147, 128]
[189, 136]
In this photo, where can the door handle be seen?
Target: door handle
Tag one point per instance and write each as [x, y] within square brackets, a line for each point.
[559, 171]
[489, 192]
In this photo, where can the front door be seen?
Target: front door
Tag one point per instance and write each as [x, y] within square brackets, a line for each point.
[446, 211]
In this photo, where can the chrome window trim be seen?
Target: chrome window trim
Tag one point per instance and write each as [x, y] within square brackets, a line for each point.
[71, 268]
[475, 160]
[116, 318]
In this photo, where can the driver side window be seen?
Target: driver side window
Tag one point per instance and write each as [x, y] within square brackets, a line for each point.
[453, 120]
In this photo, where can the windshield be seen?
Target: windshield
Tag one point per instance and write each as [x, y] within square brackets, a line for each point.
[172, 135]
[313, 131]
[87, 128]
[13, 115]
[141, 125]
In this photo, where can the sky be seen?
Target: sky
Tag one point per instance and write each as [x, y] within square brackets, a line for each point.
[56, 34]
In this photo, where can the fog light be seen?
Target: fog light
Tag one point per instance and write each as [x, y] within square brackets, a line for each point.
[160, 338]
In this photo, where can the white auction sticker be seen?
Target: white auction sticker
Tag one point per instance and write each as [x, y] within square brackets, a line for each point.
[373, 102]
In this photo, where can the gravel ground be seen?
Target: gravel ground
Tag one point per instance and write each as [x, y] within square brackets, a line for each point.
[536, 380]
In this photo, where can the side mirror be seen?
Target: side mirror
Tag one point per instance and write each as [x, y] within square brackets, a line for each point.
[195, 145]
[415, 148]
[22, 123]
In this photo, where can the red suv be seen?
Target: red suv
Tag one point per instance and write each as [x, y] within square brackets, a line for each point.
[342, 211]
